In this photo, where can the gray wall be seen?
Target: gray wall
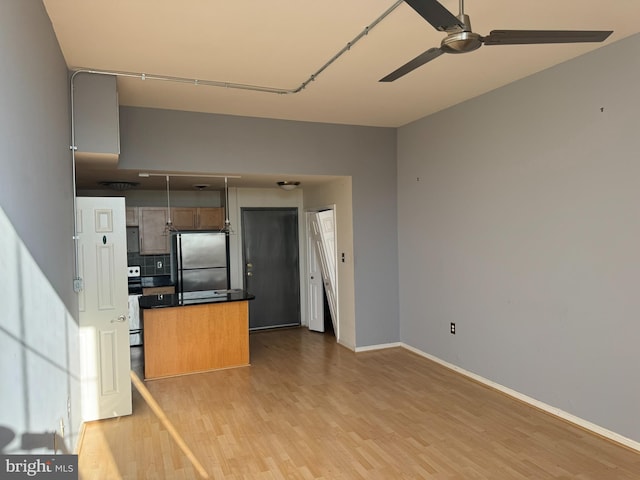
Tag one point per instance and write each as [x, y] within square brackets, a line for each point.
[38, 327]
[154, 139]
[36, 191]
[524, 229]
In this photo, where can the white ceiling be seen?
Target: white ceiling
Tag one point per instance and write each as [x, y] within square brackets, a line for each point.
[280, 43]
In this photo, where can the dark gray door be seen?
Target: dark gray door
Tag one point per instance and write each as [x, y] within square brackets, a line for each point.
[271, 266]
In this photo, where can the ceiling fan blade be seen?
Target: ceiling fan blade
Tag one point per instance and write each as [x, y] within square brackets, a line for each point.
[434, 13]
[413, 64]
[519, 37]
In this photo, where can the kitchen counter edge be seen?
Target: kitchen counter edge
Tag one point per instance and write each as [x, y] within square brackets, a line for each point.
[168, 300]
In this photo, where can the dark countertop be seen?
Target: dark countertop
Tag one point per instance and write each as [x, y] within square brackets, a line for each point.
[156, 281]
[193, 298]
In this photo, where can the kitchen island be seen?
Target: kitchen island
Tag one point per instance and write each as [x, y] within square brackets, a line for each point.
[195, 332]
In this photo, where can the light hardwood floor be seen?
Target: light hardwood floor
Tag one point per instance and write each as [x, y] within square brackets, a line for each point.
[307, 408]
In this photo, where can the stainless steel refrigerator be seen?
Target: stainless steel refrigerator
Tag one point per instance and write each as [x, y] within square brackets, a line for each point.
[199, 261]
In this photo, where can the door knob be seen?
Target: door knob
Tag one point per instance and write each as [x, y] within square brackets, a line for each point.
[120, 319]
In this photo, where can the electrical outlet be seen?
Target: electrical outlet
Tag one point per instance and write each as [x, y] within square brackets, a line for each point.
[159, 264]
[453, 328]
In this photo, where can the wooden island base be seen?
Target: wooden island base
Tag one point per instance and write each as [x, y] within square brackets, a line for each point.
[195, 338]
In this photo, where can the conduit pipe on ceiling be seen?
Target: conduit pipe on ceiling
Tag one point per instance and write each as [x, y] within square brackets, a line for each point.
[243, 86]
[77, 280]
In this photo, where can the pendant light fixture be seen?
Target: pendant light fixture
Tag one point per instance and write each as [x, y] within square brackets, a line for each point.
[227, 224]
[169, 225]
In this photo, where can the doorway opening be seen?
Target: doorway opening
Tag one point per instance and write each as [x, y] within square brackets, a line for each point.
[328, 322]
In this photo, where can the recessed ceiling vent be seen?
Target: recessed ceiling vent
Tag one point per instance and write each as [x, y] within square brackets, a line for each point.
[119, 185]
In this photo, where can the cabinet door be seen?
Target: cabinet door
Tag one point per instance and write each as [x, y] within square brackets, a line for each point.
[133, 240]
[183, 218]
[154, 237]
[210, 218]
[132, 216]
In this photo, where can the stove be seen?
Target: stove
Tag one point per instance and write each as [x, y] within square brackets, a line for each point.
[135, 282]
[135, 290]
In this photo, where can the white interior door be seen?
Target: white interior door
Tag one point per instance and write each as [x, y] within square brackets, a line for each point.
[323, 231]
[315, 300]
[103, 302]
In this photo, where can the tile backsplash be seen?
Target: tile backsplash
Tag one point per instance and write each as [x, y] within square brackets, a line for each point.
[149, 264]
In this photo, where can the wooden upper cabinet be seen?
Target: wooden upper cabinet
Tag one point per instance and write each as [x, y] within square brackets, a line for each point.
[154, 237]
[211, 218]
[197, 218]
[152, 223]
[184, 218]
[132, 216]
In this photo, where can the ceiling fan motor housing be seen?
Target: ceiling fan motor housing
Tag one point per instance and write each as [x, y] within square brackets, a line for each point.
[461, 39]
[461, 42]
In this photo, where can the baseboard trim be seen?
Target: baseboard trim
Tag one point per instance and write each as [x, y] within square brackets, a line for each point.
[382, 346]
[556, 412]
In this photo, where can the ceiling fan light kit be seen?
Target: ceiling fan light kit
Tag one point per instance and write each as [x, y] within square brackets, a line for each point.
[461, 39]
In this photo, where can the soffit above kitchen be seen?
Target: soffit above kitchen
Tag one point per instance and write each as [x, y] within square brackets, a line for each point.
[279, 44]
[95, 177]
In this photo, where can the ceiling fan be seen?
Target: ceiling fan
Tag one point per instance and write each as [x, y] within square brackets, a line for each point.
[461, 39]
